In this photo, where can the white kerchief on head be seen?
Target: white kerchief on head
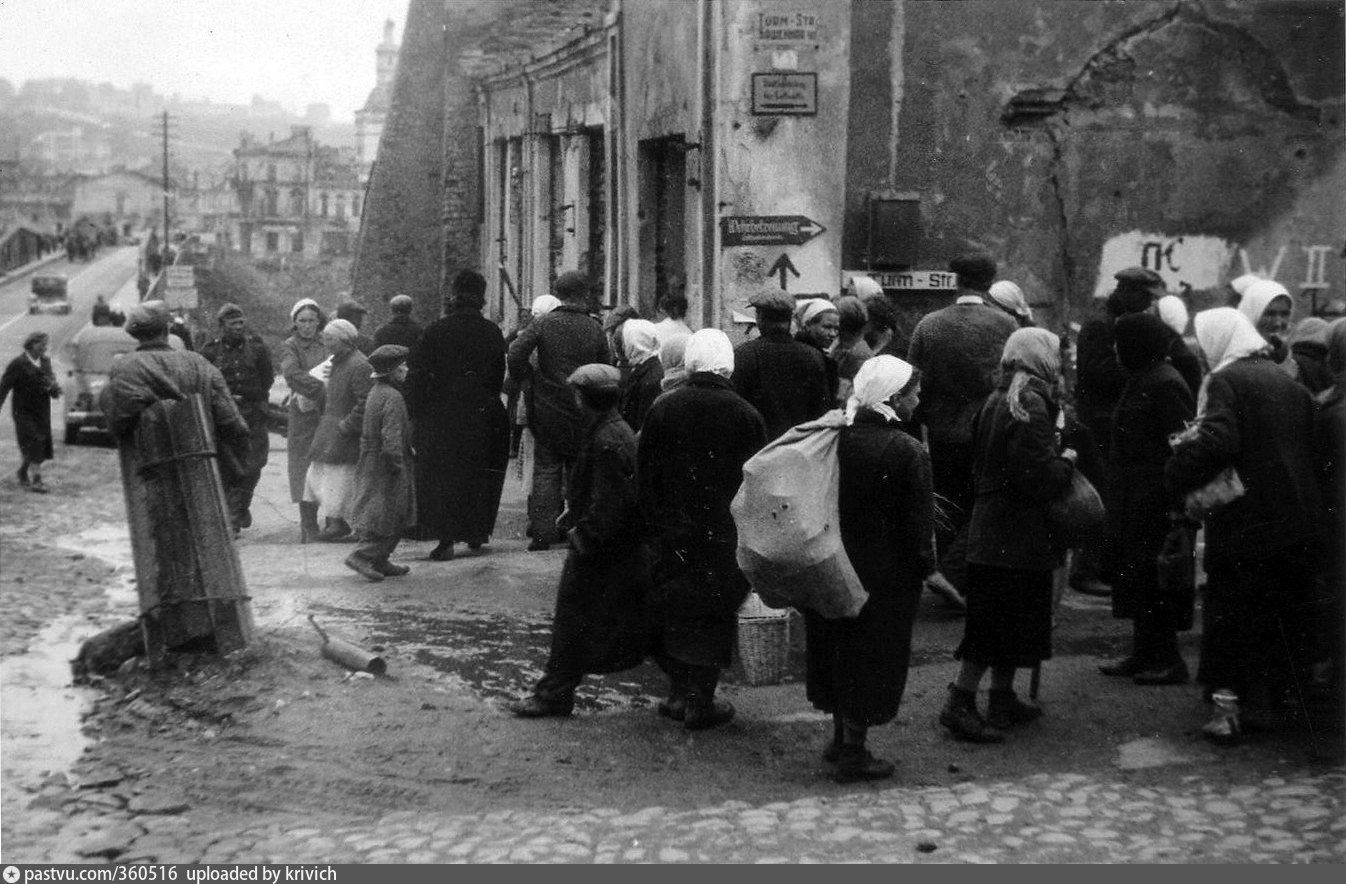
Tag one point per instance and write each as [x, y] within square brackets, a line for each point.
[640, 340]
[812, 309]
[1173, 312]
[544, 304]
[341, 330]
[1224, 335]
[1240, 283]
[300, 305]
[878, 380]
[709, 350]
[1257, 296]
[1009, 296]
[864, 286]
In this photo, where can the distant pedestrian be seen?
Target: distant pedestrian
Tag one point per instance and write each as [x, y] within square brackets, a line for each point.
[672, 357]
[642, 386]
[564, 339]
[34, 385]
[601, 623]
[819, 324]
[400, 328]
[1009, 297]
[301, 354]
[1308, 348]
[1010, 555]
[693, 445]
[880, 324]
[1173, 313]
[245, 362]
[330, 482]
[784, 380]
[612, 328]
[850, 350]
[455, 378]
[354, 312]
[384, 503]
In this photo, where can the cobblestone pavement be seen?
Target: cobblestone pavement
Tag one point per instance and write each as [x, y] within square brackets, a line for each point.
[1040, 818]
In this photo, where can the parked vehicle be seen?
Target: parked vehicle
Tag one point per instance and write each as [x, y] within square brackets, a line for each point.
[90, 354]
[48, 294]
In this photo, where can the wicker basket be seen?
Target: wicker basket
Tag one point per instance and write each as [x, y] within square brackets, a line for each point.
[764, 647]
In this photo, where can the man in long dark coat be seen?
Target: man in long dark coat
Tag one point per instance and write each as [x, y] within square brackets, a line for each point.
[564, 339]
[784, 380]
[693, 445]
[400, 328]
[461, 430]
[30, 376]
[601, 624]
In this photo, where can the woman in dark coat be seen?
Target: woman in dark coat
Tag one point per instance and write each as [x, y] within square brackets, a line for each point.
[1155, 403]
[694, 443]
[302, 352]
[457, 371]
[643, 385]
[601, 624]
[1010, 553]
[1261, 549]
[857, 667]
[1331, 439]
[30, 376]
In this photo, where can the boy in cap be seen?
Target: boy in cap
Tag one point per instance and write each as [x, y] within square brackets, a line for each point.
[385, 493]
[600, 624]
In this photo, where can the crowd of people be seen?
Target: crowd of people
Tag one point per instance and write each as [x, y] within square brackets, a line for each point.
[630, 437]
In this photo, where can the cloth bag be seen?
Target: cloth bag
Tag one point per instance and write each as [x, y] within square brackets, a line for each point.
[1076, 517]
[1175, 570]
[1224, 489]
[789, 531]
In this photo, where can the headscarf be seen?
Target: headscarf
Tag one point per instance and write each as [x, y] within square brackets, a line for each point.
[342, 330]
[544, 304]
[709, 350]
[300, 305]
[1336, 349]
[864, 286]
[1258, 295]
[639, 340]
[1029, 353]
[1011, 298]
[619, 315]
[1224, 335]
[1173, 312]
[811, 309]
[1142, 340]
[672, 355]
[1240, 283]
[1310, 331]
[879, 379]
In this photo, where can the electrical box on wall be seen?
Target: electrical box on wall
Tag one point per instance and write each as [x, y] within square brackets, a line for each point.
[894, 230]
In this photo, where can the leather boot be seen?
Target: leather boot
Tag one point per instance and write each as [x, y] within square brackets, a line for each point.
[703, 710]
[856, 764]
[961, 717]
[308, 522]
[336, 531]
[1005, 710]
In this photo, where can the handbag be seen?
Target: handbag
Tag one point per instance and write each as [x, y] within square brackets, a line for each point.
[1216, 494]
[1175, 572]
[1076, 516]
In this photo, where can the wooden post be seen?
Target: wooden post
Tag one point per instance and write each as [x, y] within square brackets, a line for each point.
[188, 574]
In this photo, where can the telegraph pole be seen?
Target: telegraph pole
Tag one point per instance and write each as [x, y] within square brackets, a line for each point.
[165, 262]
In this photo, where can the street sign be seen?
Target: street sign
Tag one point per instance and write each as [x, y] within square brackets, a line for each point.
[786, 27]
[184, 298]
[785, 94]
[181, 275]
[767, 230]
[910, 280]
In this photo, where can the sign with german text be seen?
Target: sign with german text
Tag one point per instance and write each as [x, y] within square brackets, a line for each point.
[767, 230]
[784, 27]
[181, 298]
[785, 94]
[181, 275]
[909, 280]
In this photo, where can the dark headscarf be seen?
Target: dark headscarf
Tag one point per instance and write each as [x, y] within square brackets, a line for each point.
[1142, 340]
[1336, 348]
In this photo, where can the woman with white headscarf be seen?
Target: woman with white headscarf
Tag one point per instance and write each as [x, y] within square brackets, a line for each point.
[640, 340]
[1268, 306]
[693, 444]
[1261, 549]
[1017, 470]
[302, 352]
[819, 325]
[857, 667]
[673, 358]
[330, 482]
[1173, 313]
[1010, 298]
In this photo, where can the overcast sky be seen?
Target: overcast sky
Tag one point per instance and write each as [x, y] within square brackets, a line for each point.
[296, 52]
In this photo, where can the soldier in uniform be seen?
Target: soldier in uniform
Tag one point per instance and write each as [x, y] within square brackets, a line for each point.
[245, 362]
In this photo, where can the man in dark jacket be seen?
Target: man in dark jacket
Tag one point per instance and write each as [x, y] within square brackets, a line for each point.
[245, 362]
[563, 339]
[694, 443]
[957, 349]
[400, 328]
[786, 381]
[601, 623]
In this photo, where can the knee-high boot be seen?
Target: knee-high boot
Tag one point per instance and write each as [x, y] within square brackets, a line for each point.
[308, 522]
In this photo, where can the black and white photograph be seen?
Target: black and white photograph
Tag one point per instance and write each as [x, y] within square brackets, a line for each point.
[671, 432]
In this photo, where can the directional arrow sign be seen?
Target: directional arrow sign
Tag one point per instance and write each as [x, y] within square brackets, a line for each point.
[768, 230]
[783, 266]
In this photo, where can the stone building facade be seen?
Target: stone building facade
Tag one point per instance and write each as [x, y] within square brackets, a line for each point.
[722, 146]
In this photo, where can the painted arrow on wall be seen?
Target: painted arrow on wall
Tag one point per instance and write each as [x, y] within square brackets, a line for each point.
[783, 266]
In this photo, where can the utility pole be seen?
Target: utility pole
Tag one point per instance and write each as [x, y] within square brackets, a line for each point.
[165, 189]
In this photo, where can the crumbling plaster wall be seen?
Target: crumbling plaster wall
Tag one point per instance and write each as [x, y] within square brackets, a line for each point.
[1064, 137]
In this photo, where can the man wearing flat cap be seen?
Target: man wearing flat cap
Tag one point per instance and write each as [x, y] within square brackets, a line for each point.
[784, 379]
[400, 328]
[957, 348]
[354, 312]
[245, 362]
[600, 623]
[564, 339]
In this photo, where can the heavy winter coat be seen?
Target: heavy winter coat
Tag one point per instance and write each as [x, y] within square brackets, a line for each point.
[784, 380]
[1016, 471]
[400, 330]
[385, 496]
[639, 391]
[1261, 423]
[692, 449]
[857, 667]
[564, 339]
[602, 622]
[337, 440]
[34, 386]
[298, 357]
[454, 380]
